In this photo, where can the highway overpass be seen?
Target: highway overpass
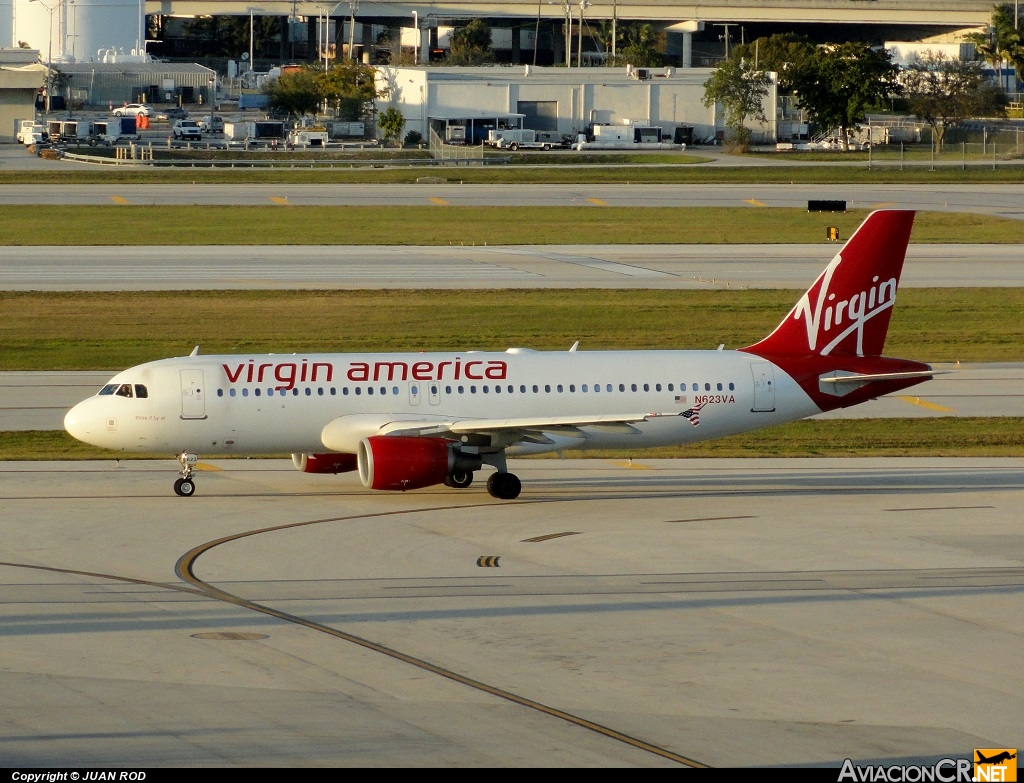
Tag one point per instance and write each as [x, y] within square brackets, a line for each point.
[937, 13]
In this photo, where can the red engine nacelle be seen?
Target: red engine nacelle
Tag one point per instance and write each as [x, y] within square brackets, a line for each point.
[324, 463]
[404, 463]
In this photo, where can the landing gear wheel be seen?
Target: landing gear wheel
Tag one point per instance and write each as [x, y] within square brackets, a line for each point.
[504, 486]
[459, 480]
[185, 486]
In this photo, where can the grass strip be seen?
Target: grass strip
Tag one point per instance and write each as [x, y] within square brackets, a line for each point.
[539, 169]
[912, 437]
[111, 330]
[138, 225]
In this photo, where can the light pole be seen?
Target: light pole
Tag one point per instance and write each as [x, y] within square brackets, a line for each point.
[579, 53]
[49, 54]
[213, 89]
[416, 41]
[74, 27]
[327, 28]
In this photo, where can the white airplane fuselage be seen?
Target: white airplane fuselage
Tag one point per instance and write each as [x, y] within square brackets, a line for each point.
[282, 403]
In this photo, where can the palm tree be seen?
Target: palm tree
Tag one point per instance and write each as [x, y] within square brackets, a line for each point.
[1011, 50]
[986, 48]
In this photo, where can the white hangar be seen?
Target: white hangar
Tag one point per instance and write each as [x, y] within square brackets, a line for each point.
[561, 100]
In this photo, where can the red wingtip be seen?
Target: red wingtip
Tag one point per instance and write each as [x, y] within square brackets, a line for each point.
[847, 310]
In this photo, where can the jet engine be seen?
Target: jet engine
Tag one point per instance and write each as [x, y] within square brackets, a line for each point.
[324, 463]
[398, 462]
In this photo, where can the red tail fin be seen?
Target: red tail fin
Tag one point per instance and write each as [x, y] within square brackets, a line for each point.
[846, 312]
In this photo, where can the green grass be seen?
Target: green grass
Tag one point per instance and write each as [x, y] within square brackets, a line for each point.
[607, 171]
[938, 437]
[446, 225]
[110, 330]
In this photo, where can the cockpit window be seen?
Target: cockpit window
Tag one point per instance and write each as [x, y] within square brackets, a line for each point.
[141, 391]
[124, 390]
[110, 388]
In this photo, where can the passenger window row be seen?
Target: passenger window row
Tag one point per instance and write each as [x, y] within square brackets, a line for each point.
[434, 389]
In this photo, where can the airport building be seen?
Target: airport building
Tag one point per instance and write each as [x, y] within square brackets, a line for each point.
[21, 77]
[564, 101]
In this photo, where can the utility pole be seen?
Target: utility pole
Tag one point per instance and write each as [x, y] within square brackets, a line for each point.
[353, 6]
[725, 37]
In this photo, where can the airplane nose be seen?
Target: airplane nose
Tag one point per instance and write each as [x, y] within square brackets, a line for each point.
[75, 423]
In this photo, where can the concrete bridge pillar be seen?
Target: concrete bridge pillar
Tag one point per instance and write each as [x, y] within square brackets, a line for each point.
[684, 31]
[424, 47]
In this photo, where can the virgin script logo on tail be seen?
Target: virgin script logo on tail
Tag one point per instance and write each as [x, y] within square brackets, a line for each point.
[844, 315]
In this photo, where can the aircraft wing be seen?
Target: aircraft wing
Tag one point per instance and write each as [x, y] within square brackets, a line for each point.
[345, 432]
[531, 430]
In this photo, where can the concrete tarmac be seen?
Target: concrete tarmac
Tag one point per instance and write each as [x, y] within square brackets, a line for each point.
[676, 267]
[1002, 200]
[658, 613]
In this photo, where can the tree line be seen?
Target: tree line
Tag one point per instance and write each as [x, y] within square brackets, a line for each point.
[837, 83]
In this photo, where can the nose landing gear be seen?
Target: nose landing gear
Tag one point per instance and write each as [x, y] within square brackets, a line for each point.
[185, 486]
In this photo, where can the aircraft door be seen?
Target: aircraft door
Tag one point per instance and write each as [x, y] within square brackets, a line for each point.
[193, 395]
[414, 393]
[434, 393]
[764, 387]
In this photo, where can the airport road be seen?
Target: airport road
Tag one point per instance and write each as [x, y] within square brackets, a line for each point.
[539, 266]
[724, 612]
[39, 400]
[998, 199]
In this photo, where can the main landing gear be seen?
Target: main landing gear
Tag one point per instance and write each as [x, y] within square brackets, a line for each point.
[459, 480]
[504, 486]
[185, 486]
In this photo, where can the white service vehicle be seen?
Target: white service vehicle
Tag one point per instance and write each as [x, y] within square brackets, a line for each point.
[310, 136]
[624, 137]
[32, 132]
[523, 138]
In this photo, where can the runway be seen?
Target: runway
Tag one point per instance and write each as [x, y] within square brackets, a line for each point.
[540, 266]
[1003, 200]
[664, 613]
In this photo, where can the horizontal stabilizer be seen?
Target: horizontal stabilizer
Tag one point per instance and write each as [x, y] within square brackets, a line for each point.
[839, 383]
[837, 377]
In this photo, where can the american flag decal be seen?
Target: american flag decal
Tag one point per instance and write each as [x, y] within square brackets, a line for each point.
[680, 399]
[693, 414]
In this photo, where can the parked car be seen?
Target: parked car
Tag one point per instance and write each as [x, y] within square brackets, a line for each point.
[133, 110]
[210, 124]
[174, 113]
[186, 129]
